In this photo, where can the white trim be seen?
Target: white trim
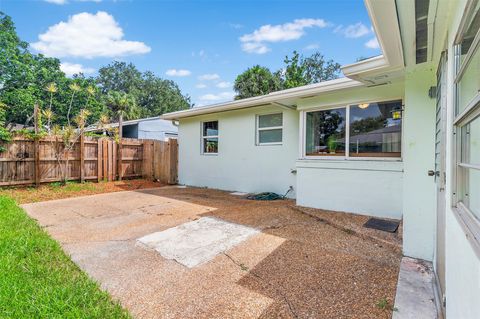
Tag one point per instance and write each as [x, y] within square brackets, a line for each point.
[468, 57]
[268, 128]
[471, 166]
[470, 112]
[469, 222]
[203, 137]
[269, 99]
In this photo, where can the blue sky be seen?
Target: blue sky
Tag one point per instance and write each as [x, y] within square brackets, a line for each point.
[202, 45]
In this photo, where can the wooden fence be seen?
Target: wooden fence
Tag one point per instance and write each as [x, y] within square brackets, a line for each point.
[27, 161]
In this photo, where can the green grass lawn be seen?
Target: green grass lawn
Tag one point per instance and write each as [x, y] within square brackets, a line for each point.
[37, 279]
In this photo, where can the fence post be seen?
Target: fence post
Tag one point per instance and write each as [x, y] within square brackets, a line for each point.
[99, 159]
[172, 159]
[36, 146]
[82, 158]
[119, 159]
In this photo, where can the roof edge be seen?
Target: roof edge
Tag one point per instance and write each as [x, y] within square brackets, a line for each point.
[271, 98]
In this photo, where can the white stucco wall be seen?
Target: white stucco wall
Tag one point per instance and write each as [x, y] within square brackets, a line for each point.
[240, 165]
[364, 187]
[462, 264]
[419, 201]
[369, 187]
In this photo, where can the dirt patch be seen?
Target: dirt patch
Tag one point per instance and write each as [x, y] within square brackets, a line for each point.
[24, 195]
[297, 266]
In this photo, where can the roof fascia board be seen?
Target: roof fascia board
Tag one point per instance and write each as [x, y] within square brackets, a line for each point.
[269, 99]
[383, 14]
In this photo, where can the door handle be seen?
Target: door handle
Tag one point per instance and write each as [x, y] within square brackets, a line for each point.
[433, 173]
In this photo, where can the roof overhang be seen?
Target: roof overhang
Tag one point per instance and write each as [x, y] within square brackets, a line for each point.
[282, 99]
[370, 72]
[390, 65]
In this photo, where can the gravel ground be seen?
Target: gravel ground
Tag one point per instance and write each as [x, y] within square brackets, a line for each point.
[303, 264]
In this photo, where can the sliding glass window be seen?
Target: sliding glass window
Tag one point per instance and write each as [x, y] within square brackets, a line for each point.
[360, 130]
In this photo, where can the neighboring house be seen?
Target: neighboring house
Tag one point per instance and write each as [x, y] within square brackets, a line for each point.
[424, 90]
[153, 128]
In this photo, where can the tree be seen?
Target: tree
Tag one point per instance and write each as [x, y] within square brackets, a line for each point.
[297, 71]
[255, 81]
[121, 106]
[119, 76]
[313, 69]
[154, 96]
[157, 96]
[5, 135]
[317, 69]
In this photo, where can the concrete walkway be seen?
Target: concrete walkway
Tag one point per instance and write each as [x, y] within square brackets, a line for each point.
[415, 296]
[290, 266]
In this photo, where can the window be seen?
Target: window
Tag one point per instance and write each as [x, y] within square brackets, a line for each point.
[326, 133]
[210, 137]
[375, 129]
[269, 129]
[467, 124]
[362, 130]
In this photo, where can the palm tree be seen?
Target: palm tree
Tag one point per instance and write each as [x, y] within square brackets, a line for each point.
[122, 105]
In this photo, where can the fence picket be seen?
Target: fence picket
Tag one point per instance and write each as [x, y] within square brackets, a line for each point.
[31, 162]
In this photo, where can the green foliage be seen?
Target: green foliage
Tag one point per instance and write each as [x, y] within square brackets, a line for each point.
[121, 104]
[332, 143]
[26, 79]
[5, 135]
[38, 280]
[153, 95]
[367, 125]
[257, 80]
[297, 71]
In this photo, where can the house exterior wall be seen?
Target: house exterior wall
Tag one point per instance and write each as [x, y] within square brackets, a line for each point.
[462, 264]
[370, 187]
[240, 165]
[419, 201]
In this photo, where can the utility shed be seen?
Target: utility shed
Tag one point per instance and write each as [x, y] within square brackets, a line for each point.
[153, 128]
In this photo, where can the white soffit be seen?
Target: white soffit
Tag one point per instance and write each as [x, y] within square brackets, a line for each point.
[389, 65]
[284, 98]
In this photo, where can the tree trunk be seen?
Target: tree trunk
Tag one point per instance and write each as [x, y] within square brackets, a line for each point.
[120, 136]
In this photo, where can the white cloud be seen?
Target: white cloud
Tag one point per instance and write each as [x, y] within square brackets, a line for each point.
[372, 43]
[209, 77]
[56, 1]
[179, 73]
[201, 86]
[65, 1]
[74, 68]
[255, 42]
[236, 25]
[354, 31]
[217, 97]
[88, 36]
[223, 85]
[313, 46]
[255, 47]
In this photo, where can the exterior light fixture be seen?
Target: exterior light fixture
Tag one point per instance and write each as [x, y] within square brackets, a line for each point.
[363, 105]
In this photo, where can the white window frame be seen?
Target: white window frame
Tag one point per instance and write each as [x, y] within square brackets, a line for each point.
[466, 218]
[203, 137]
[303, 128]
[269, 128]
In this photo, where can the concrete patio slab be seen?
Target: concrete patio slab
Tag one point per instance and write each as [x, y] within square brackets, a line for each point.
[415, 296]
[199, 241]
[296, 266]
